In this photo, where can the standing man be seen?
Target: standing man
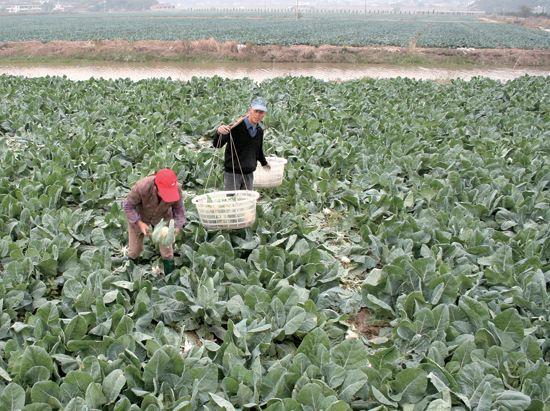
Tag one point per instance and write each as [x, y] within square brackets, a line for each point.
[151, 199]
[246, 148]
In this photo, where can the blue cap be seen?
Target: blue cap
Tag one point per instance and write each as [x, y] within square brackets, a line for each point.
[259, 104]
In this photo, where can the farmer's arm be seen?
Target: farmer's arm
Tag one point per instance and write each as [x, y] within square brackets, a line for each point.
[178, 211]
[130, 209]
[261, 156]
[130, 205]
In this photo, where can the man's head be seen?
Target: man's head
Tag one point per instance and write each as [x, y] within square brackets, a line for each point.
[257, 109]
[167, 185]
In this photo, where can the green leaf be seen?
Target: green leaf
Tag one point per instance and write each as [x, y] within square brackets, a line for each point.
[35, 356]
[155, 367]
[35, 374]
[445, 402]
[94, 396]
[49, 314]
[72, 289]
[311, 395]
[112, 385]
[512, 400]
[5, 375]
[274, 384]
[110, 297]
[531, 348]
[350, 354]
[510, 323]
[127, 285]
[222, 402]
[486, 400]
[76, 383]
[409, 385]
[439, 405]
[374, 277]
[339, 406]
[381, 398]
[409, 200]
[376, 304]
[48, 267]
[355, 380]
[77, 404]
[47, 392]
[294, 320]
[204, 379]
[235, 304]
[312, 341]
[124, 327]
[123, 405]
[37, 406]
[76, 329]
[286, 404]
[12, 398]
[476, 311]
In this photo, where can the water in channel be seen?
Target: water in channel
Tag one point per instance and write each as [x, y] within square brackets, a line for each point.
[258, 71]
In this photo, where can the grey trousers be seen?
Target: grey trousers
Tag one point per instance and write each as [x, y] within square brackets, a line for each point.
[238, 181]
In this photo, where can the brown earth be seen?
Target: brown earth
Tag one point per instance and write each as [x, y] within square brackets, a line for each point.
[533, 22]
[364, 325]
[210, 49]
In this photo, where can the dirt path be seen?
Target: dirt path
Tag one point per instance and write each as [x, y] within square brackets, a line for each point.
[212, 50]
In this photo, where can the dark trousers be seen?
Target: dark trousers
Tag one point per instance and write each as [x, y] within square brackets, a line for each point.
[234, 182]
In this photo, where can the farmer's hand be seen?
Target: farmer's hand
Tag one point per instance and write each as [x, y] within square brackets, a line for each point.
[144, 228]
[267, 166]
[177, 231]
[223, 129]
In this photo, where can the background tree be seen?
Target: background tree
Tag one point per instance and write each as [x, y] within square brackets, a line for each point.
[510, 6]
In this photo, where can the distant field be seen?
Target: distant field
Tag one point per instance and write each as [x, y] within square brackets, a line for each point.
[343, 30]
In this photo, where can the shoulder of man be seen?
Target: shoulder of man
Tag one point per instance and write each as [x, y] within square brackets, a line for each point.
[145, 184]
[241, 126]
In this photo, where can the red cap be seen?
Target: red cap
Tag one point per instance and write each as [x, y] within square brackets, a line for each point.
[167, 185]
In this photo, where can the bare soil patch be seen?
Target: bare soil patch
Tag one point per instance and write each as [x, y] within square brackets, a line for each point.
[538, 22]
[363, 324]
[542, 23]
[487, 20]
[210, 49]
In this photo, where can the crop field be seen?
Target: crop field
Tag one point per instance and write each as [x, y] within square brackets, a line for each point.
[402, 264]
[313, 29]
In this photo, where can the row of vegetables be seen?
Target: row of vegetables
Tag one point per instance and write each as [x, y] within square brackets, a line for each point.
[263, 28]
[402, 264]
